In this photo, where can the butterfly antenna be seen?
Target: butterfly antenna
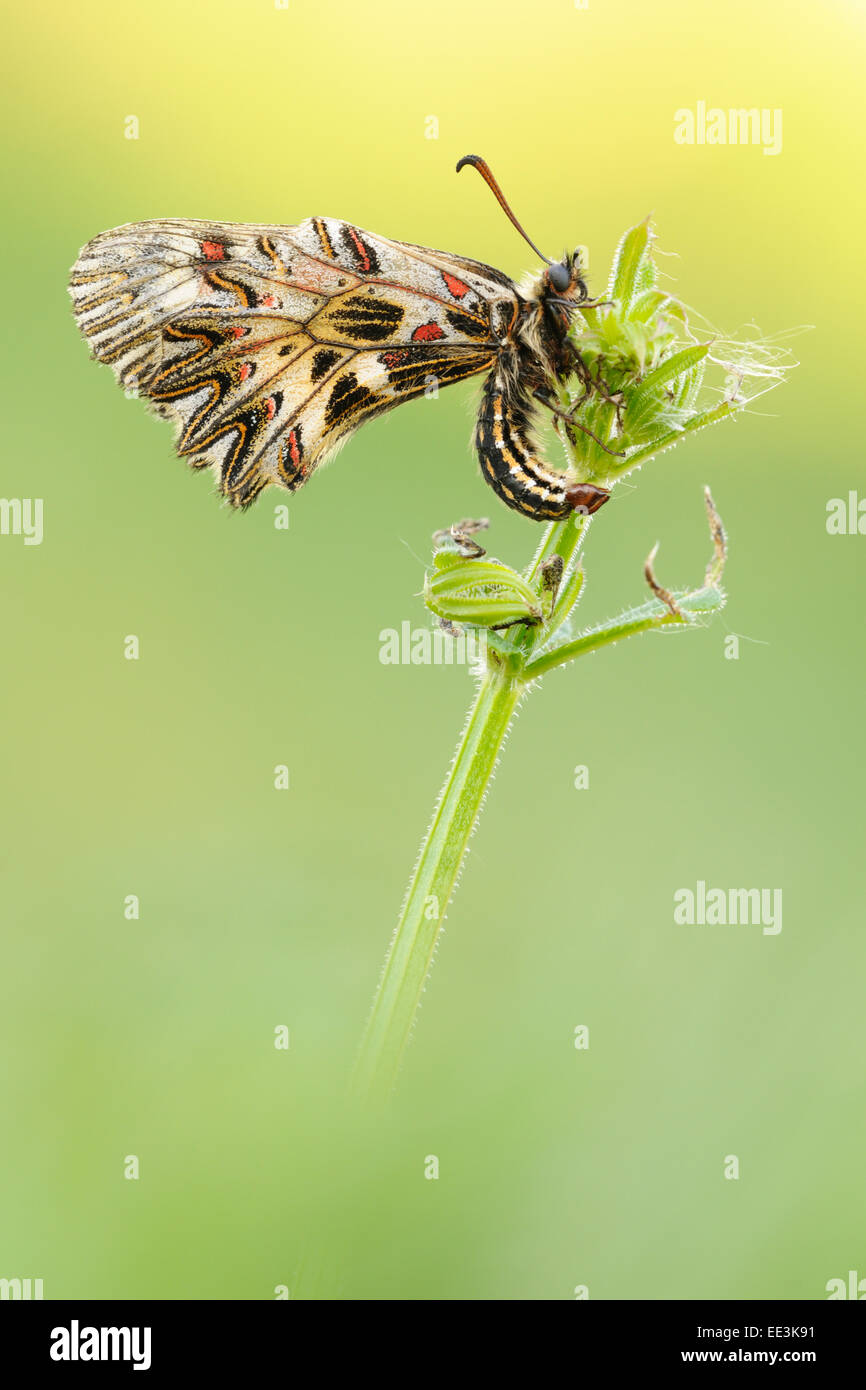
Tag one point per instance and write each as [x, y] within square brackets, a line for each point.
[484, 170]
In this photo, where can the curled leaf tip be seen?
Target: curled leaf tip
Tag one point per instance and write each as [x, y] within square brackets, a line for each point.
[664, 595]
[716, 567]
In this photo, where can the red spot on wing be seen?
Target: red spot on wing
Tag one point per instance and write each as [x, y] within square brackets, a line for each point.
[271, 407]
[245, 371]
[427, 332]
[213, 251]
[237, 331]
[269, 300]
[361, 249]
[395, 358]
[457, 287]
[294, 450]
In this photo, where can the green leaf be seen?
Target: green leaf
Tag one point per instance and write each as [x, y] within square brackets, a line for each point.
[646, 400]
[647, 305]
[688, 388]
[629, 274]
[723, 411]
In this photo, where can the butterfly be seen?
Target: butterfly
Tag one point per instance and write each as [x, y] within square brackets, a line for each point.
[267, 346]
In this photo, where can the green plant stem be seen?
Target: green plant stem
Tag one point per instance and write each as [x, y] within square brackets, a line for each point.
[437, 870]
[591, 642]
[561, 538]
[650, 617]
[433, 881]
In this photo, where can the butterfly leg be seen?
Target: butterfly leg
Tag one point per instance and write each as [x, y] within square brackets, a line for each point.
[569, 417]
[595, 384]
[510, 463]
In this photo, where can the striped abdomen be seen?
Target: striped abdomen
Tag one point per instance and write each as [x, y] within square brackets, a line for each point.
[513, 469]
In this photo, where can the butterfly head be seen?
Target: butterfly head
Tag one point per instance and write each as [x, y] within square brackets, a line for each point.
[564, 279]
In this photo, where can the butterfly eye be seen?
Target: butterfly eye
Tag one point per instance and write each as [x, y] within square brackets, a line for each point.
[559, 276]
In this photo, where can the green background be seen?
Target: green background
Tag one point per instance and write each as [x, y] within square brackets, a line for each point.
[154, 1037]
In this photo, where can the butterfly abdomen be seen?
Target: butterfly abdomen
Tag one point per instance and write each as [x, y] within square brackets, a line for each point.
[508, 456]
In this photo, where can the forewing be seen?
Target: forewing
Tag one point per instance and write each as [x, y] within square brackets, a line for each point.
[267, 346]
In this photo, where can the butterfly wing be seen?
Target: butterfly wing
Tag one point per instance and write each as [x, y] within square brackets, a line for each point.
[268, 346]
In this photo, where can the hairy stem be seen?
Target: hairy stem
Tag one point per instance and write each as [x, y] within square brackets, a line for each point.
[651, 617]
[433, 881]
